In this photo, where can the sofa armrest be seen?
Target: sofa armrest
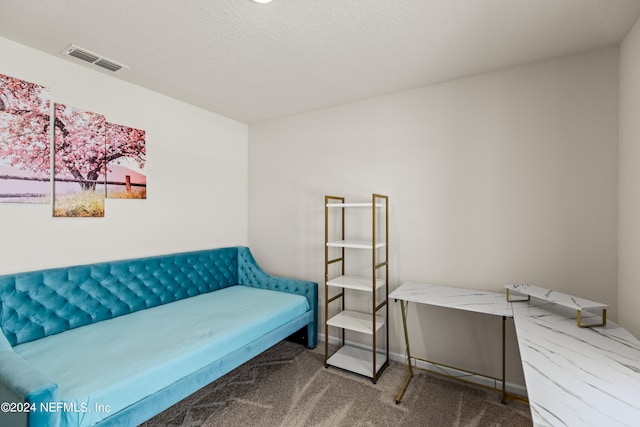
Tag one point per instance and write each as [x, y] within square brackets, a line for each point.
[25, 391]
[251, 274]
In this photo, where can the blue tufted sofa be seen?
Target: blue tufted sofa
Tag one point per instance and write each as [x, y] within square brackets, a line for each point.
[116, 343]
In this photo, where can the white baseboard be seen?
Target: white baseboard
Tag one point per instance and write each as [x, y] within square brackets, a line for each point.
[511, 388]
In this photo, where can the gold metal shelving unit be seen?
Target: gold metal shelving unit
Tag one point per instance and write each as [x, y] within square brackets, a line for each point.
[364, 359]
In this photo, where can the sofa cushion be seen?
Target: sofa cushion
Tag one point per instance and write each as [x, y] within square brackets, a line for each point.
[119, 361]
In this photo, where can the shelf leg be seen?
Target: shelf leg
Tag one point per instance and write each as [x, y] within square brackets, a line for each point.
[582, 325]
[504, 374]
[516, 300]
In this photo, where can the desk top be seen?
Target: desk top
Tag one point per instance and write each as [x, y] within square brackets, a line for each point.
[577, 376]
[451, 297]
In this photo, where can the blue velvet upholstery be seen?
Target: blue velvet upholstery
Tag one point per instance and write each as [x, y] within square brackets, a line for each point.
[41, 303]
[250, 274]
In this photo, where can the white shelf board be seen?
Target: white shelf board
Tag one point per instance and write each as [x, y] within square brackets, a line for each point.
[555, 297]
[357, 360]
[356, 321]
[356, 244]
[354, 205]
[359, 283]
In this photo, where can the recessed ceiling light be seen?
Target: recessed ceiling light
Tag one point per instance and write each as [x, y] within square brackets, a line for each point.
[262, 1]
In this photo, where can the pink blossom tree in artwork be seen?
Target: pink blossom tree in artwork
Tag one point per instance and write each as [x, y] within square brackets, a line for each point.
[127, 142]
[85, 145]
[24, 125]
[125, 146]
[79, 146]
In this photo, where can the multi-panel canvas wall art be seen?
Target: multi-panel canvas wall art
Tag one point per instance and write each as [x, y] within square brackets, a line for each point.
[79, 163]
[92, 159]
[125, 158]
[25, 163]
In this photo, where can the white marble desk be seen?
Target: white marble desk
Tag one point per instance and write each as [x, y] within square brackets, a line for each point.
[457, 298]
[577, 376]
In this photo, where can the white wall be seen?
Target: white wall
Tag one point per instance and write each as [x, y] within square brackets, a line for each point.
[629, 210]
[196, 168]
[505, 177]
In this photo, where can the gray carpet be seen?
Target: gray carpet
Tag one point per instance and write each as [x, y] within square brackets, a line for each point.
[289, 386]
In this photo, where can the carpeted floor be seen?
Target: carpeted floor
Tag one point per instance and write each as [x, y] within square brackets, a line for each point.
[289, 386]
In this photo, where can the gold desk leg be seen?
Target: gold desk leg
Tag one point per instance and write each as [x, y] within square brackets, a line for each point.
[581, 325]
[406, 342]
[504, 375]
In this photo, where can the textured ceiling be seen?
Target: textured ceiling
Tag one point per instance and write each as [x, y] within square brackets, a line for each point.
[254, 62]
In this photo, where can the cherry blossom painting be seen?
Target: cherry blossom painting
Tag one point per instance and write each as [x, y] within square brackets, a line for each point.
[125, 159]
[92, 159]
[25, 165]
[79, 163]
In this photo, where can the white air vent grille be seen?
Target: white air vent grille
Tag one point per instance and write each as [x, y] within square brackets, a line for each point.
[93, 58]
[80, 54]
[111, 66]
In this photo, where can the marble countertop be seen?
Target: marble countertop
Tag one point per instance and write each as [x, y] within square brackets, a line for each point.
[577, 376]
[457, 298]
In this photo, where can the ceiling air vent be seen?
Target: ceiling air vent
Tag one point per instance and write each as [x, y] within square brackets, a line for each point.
[93, 58]
[85, 56]
[111, 66]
